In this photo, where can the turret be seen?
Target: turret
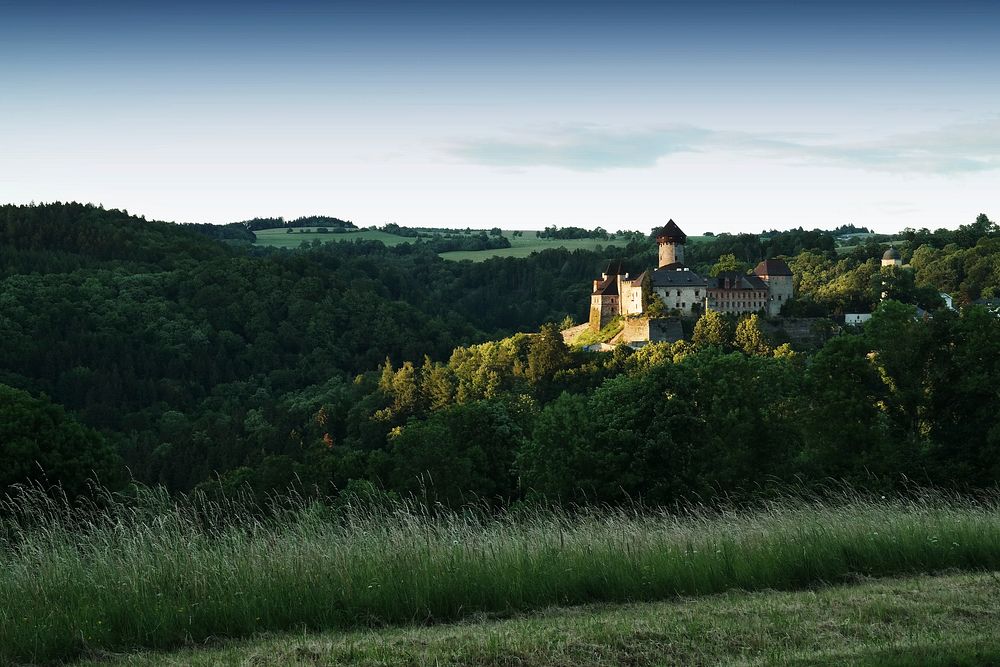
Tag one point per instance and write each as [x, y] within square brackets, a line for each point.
[778, 276]
[892, 258]
[671, 240]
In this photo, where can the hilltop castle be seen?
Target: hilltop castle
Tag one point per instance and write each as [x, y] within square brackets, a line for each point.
[685, 292]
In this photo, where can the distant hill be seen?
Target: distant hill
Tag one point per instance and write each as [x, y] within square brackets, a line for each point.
[59, 236]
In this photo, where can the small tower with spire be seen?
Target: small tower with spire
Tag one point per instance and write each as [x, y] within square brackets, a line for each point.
[892, 258]
[671, 240]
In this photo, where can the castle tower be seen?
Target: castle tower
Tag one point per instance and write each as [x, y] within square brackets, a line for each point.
[671, 240]
[606, 298]
[778, 276]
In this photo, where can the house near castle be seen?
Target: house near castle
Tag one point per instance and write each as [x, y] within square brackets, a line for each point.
[685, 292]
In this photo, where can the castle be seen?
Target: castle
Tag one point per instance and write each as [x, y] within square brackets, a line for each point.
[683, 291]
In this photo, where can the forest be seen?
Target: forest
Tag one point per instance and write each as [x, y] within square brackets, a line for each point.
[158, 353]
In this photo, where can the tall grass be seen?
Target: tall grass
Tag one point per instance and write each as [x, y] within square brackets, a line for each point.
[156, 572]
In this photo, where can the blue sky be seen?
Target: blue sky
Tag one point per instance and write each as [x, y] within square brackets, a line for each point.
[726, 116]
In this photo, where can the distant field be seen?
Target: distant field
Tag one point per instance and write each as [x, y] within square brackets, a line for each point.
[521, 246]
[280, 238]
[847, 249]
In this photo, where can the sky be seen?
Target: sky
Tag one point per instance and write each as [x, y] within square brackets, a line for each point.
[727, 116]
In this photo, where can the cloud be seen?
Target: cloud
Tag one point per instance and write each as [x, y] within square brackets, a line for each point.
[584, 148]
[962, 148]
[955, 149]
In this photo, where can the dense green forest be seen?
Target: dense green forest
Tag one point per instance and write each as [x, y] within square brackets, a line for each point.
[257, 224]
[153, 350]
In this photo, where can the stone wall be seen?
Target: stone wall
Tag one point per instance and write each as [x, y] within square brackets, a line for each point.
[804, 333]
[636, 329]
[643, 329]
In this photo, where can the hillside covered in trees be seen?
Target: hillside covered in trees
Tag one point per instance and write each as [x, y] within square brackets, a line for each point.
[154, 350]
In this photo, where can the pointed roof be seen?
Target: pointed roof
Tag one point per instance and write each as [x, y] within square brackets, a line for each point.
[607, 287]
[670, 232]
[642, 276]
[772, 267]
[614, 268]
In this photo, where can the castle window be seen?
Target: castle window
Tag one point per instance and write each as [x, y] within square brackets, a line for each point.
[678, 292]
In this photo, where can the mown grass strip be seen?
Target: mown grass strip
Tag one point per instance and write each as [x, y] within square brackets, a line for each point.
[947, 620]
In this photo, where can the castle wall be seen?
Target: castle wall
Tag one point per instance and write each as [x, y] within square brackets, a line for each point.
[645, 330]
[631, 302]
[603, 309]
[636, 329]
[738, 300]
[687, 300]
[805, 333]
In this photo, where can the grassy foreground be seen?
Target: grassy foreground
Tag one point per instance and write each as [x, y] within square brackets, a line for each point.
[945, 620]
[157, 573]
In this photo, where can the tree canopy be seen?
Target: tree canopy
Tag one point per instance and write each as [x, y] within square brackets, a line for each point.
[195, 362]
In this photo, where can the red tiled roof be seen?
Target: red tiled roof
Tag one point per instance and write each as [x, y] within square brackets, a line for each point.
[772, 267]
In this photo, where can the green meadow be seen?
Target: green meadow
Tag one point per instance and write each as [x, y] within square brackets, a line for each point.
[521, 246]
[280, 238]
[153, 573]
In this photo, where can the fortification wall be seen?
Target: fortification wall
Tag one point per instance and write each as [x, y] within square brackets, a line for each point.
[636, 329]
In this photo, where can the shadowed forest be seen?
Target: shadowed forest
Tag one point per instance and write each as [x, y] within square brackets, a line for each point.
[149, 351]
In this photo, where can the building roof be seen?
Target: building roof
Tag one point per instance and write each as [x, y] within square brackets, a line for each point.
[736, 281]
[891, 253]
[675, 266]
[607, 287]
[640, 278]
[682, 277]
[670, 232]
[772, 267]
[614, 268]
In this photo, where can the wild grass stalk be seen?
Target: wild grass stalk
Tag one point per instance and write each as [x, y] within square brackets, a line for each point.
[154, 572]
